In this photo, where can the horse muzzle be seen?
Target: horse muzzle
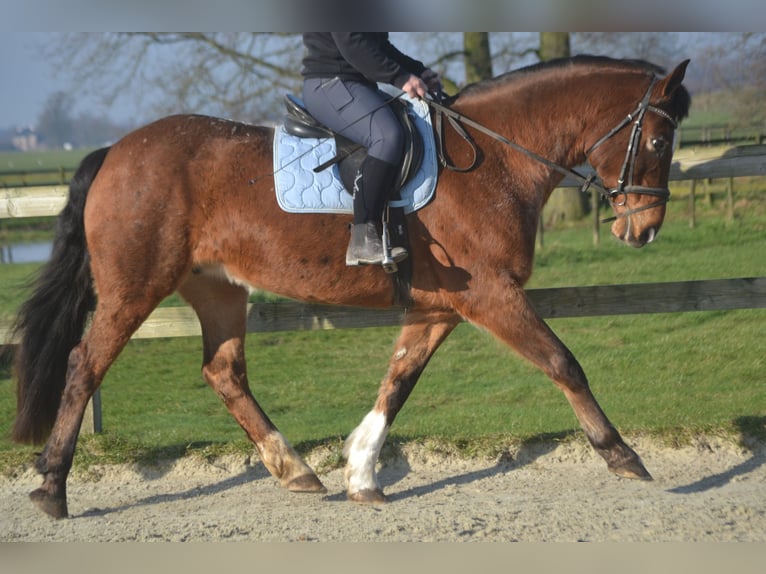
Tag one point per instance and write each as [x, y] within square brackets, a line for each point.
[637, 231]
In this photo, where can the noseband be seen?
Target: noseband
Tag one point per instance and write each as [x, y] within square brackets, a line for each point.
[623, 188]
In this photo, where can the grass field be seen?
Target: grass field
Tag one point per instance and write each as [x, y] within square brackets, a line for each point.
[673, 375]
[53, 160]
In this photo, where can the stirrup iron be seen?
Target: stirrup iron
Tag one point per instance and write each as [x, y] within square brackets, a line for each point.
[389, 265]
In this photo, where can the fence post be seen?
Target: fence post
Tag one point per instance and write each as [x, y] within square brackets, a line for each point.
[692, 202]
[595, 199]
[730, 199]
[540, 232]
[92, 422]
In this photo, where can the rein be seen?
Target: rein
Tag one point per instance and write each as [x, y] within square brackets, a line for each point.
[455, 119]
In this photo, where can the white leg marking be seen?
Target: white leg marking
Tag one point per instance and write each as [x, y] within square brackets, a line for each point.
[362, 450]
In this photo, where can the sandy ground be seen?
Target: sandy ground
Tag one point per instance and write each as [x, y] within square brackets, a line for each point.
[713, 490]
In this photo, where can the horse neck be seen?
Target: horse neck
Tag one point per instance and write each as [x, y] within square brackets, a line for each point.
[557, 114]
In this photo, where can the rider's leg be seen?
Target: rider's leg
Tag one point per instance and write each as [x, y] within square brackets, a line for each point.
[359, 112]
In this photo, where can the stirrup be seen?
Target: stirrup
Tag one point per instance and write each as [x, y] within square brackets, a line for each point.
[391, 256]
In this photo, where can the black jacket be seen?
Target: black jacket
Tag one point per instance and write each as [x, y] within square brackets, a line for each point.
[362, 56]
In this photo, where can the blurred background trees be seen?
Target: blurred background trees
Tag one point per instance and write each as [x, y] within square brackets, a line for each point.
[243, 75]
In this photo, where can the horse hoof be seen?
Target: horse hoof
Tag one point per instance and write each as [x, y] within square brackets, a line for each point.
[50, 505]
[306, 483]
[632, 469]
[368, 496]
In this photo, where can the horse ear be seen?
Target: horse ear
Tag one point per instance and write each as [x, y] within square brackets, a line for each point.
[670, 83]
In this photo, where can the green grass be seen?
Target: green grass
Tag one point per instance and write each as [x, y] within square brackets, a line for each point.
[51, 162]
[671, 375]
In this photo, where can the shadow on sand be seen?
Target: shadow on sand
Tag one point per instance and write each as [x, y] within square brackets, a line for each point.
[397, 467]
[746, 426]
[391, 473]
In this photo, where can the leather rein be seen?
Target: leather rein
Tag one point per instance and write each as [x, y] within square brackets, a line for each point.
[636, 117]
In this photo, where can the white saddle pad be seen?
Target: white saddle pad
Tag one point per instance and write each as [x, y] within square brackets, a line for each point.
[300, 190]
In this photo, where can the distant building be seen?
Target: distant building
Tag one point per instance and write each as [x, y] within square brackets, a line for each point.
[25, 139]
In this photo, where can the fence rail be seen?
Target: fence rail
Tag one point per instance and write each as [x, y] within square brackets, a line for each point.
[720, 134]
[44, 176]
[551, 303]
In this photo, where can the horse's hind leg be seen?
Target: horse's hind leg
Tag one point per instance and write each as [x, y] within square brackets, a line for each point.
[512, 318]
[112, 326]
[420, 337]
[221, 308]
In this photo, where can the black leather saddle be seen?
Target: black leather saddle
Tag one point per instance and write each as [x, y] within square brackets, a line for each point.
[349, 155]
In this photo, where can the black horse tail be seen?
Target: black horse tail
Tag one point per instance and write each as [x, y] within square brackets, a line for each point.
[52, 321]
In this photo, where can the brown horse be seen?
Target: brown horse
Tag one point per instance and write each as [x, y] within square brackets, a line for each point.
[182, 205]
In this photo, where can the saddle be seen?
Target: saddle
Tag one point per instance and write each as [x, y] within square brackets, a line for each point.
[349, 155]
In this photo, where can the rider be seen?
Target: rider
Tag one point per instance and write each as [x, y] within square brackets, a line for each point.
[341, 71]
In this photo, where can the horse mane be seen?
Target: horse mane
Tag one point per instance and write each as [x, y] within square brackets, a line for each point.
[681, 102]
[584, 60]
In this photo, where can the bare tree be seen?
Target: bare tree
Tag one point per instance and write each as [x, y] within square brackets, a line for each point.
[244, 75]
[737, 65]
[236, 75]
[660, 48]
[54, 125]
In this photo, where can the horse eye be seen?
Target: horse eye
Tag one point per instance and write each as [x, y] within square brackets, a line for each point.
[659, 145]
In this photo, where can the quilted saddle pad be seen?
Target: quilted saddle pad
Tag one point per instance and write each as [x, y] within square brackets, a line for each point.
[300, 190]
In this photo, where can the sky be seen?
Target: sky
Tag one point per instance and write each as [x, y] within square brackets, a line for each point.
[28, 80]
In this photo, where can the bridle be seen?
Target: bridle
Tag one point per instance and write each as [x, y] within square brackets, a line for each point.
[625, 183]
[637, 117]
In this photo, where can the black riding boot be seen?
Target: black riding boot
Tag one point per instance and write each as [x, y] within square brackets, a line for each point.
[372, 184]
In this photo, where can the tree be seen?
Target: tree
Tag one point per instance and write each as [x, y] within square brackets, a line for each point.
[477, 57]
[54, 126]
[660, 48]
[553, 45]
[239, 75]
[737, 63]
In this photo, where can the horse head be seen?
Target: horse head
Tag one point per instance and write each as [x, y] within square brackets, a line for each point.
[634, 159]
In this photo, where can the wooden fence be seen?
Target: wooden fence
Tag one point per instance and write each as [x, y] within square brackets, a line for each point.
[551, 303]
[720, 134]
[690, 164]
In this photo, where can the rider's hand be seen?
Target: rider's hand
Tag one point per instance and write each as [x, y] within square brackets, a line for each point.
[415, 87]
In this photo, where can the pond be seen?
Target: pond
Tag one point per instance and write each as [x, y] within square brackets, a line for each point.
[25, 252]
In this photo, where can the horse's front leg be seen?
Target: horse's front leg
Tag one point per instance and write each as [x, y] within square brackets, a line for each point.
[221, 308]
[420, 337]
[511, 317]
